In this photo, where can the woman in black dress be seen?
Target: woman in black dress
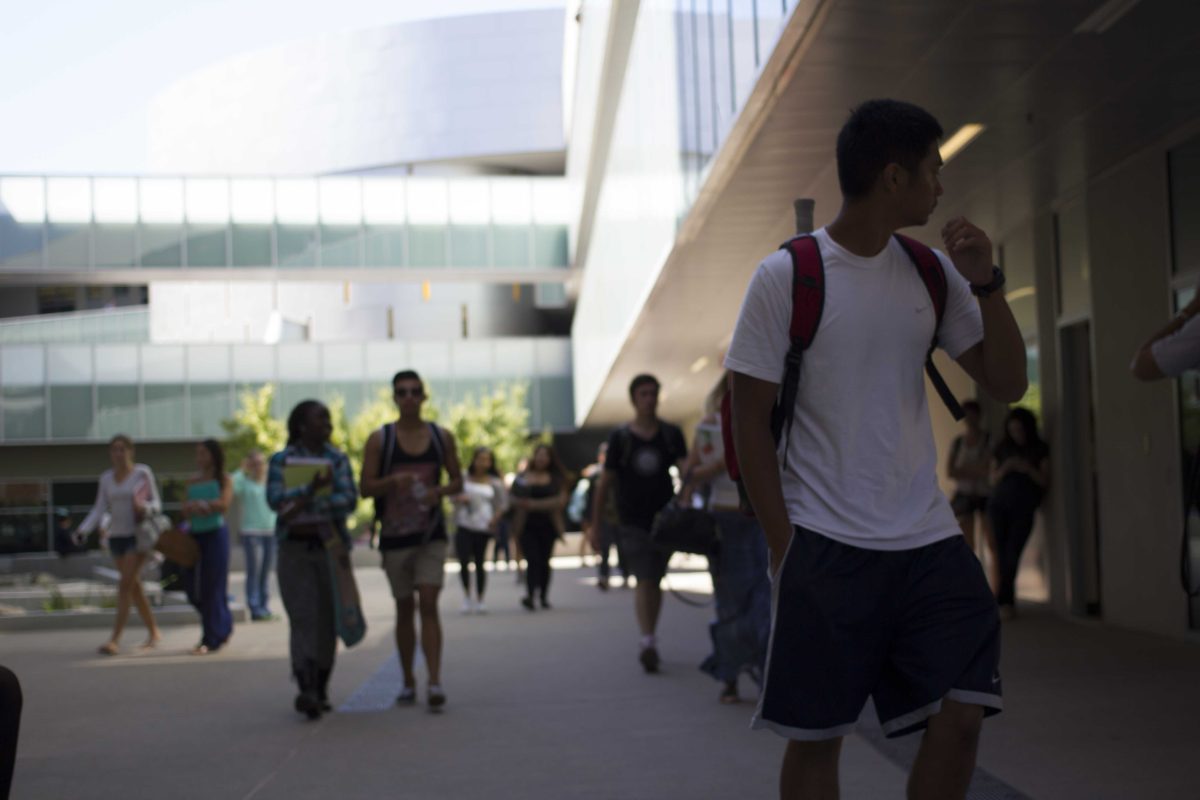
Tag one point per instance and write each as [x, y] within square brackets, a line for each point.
[539, 496]
[1020, 476]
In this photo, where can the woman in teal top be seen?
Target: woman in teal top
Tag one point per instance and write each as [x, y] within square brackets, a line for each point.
[209, 493]
[256, 527]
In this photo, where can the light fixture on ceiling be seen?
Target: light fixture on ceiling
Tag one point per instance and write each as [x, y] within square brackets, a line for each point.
[960, 139]
[1020, 294]
[699, 364]
[1106, 16]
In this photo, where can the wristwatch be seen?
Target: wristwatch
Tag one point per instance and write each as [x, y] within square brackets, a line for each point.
[997, 282]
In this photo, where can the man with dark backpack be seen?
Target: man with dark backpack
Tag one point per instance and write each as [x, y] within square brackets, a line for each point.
[637, 465]
[402, 469]
[876, 592]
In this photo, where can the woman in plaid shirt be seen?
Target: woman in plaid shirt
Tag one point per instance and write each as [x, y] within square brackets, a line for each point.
[304, 577]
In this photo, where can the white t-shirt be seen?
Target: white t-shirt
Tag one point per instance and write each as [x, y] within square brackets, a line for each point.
[116, 500]
[862, 466]
[1180, 351]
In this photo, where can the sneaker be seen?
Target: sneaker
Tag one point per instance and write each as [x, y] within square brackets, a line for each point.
[407, 696]
[527, 602]
[649, 659]
[436, 697]
[545, 603]
[467, 606]
[602, 584]
[480, 608]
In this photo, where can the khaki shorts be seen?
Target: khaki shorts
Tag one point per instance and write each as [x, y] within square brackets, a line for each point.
[410, 567]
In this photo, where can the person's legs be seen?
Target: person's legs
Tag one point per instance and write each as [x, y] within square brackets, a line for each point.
[532, 567]
[214, 581]
[648, 606]
[431, 631]
[479, 543]
[810, 770]
[301, 566]
[946, 760]
[462, 550]
[268, 545]
[11, 701]
[250, 551]
[1019, 528]
[141, 602]
[1001, 521]
[545, 543]
[127, 568]
[406, 638]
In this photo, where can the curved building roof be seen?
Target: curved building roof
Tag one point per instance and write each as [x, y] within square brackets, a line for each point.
[482, 92]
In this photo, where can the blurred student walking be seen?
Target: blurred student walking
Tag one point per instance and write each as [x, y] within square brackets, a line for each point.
[256, 527]
[209, 494]
[477, 513]
[539, 495]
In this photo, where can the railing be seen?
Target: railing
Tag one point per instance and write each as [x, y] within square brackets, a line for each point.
[126, 325]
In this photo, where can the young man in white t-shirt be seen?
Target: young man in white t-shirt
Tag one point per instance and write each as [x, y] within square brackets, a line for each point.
[876, 593]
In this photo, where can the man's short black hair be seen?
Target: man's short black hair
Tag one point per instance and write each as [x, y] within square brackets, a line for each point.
[642, 380]
[878, 133]
[408, 375]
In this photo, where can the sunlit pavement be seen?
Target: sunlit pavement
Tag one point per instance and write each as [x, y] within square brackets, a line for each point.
[553, 704]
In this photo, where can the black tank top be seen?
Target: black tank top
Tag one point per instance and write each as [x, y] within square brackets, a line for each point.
[405, 522]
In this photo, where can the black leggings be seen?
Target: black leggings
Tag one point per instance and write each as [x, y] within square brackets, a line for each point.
[537, 542]
[471, 547]
[1011, 527]
[10, 724]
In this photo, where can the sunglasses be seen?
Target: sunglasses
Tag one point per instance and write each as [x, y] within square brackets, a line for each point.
[406, 392]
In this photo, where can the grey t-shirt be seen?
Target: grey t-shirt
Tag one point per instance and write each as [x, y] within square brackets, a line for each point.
[1180, 351]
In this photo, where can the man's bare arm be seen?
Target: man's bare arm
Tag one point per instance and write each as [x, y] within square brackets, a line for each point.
[753, 400]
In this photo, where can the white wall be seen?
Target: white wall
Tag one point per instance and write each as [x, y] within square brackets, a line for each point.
[437, 89]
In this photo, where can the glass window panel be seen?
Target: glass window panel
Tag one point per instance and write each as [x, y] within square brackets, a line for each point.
[516, 357]
[341, 201]
[165, 410]
[69, 364]
[161, 200]
[428, 203]
[210, 403]
[549, 246]
[383, 201]
[67, 245]
[1184, 165]
[22, 365]
[252, 200]
[352, 393]
[24, 525]
[297, 245]
[118, 410]
[342, 362]
[114, 244]
[469, 245]
[208, 363]
[115, 200]
[24, 412]
[289, 395]
[385, 359]
[432, 359]
[296, 201]
[512, 201]
[339, 246]
[68, 200]
[162, 363]
[299, 363]
[207, 201]
[161, 245]
[556, 403]
[471, 389]
[723, 98]
[20, 242]
[469, 201]
[206, 245]
[1074, 270]
[551, 201]
[553, 356]
[254, 363]
[24, 199]
[427, 245]
[770, 24]
[550, 295]
[745, 48]
[384, 245]
[440, 391]
[252, 246]
[472, 359]
[510, 246]
[70, 412]
[118, 364]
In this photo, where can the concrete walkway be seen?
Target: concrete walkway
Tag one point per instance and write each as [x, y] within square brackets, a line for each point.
[554, 705]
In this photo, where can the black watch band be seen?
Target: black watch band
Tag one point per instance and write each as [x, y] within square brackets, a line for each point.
[995, 284]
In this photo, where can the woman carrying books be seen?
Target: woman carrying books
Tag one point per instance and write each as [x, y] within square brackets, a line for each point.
[209, 493]
[311, 486]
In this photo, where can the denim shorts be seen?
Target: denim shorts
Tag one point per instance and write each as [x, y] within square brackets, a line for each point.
[120, 545]
[908, 628]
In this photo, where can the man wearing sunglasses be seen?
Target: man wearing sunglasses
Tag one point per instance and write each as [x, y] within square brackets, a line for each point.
[402, 469]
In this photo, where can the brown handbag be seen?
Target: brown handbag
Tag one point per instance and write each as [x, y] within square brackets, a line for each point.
[177, 546]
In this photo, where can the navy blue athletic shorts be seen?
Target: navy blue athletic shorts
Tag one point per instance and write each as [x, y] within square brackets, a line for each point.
[907, 628]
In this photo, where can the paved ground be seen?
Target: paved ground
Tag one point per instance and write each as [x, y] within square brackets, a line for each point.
[553, 705]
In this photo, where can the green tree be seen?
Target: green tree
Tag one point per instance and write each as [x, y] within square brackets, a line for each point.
[499, 420]
[254, 425]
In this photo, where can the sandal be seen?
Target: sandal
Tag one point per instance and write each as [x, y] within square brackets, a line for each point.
[407, 696]
[108, 649]
[201, 650]
[729, 695]
[149, 644]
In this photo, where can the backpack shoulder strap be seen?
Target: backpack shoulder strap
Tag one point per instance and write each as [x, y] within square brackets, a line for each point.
[388, 431]
[933, 275]
[439, 446]
[808, 304]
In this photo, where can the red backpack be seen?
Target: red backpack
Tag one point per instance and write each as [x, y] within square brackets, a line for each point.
[808, 302]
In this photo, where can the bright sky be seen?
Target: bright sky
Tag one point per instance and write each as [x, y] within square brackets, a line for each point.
[77, 76]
